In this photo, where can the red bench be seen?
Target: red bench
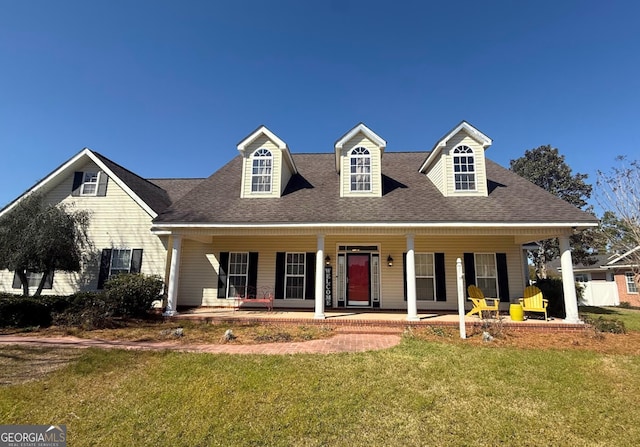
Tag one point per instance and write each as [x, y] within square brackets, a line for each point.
[264, 297]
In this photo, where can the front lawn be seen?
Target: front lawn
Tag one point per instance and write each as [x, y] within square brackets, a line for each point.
[433, 390]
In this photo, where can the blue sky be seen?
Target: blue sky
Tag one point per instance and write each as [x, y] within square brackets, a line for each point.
[168, 88]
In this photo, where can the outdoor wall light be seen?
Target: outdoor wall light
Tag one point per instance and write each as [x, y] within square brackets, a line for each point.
[389, 261]
[327, 260]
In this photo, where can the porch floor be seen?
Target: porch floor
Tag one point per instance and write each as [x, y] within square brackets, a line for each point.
[365, 318]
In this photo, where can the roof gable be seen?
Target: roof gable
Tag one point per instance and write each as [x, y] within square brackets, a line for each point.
[474, 133]
[360, 128]
[148, 196]
[262, 130]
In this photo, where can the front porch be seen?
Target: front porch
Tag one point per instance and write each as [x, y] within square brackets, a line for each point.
[367, 320]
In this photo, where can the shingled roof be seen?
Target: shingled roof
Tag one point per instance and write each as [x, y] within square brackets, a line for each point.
[312, 196]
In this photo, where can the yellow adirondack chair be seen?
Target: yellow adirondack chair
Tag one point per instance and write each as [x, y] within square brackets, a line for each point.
[480, 303]
[533, 301]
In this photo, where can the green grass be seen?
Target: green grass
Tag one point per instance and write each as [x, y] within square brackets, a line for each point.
[630, 317]
[419, 393]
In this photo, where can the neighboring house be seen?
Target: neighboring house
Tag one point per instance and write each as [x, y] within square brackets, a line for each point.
[608, 282]
[624, 269]
[122, 207]
[598, 285]
[357, 228]
[361, 227]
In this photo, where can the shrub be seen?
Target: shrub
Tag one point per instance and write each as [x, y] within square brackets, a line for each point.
[20, 311]
[131, 295]
[88, 310]
[613, 326]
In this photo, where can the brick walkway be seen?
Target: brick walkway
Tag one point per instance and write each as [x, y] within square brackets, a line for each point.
[339, 343]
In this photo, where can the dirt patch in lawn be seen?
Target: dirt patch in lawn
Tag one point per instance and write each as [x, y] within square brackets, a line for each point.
[586, 340]
[20, 364]
[189, 332]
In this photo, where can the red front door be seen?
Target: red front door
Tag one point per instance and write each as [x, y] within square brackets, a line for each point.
[358, 279]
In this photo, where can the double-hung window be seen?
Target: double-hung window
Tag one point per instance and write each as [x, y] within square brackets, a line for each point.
[261, 171]
[631, 285]
[464, 169]
[295, 275]
[360, 171]
[238, 274]
[120, 261]
[487, 274]
[89, 185]
[425, 277]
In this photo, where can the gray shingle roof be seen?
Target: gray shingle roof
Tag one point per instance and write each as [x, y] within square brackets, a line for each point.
[176, 188]
[154, 196]
[313, 196]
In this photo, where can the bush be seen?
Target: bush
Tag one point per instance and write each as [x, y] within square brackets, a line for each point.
[18, 311]
[613, 326]
[131, 295]
[88, 310]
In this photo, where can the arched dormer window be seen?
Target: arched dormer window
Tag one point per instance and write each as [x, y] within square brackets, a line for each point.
[464, 169]
[360, 172]
[261, 171]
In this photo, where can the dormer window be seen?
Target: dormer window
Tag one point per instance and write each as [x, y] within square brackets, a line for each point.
[261, 171]
[360, 161]
[464, 169]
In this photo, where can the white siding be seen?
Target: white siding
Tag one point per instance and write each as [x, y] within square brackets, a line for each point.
[437, 175]
[116, 221]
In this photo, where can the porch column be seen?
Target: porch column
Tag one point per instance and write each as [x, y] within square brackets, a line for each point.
[319, 314]
[172, 291]
[568, 282]
[412, 304]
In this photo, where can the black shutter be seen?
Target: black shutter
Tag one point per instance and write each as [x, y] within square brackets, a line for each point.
[252, 279]
[105, 265]
[503, 277]
[279, 282]
[441, 284]
[77, 183]
[469, 270]
[48, 283]
[136, 260]
[103, 178]
[310, 277]
[404, 274]
[16, 281]
[222, 274]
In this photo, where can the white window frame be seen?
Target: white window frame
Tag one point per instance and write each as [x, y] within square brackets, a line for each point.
[262, 171]
[631, 285]
[118, 271]
[425, 273]
[464, 169]
[292, 270]
[90, 180]
[360, 170]
[240, 262]
[484, 275]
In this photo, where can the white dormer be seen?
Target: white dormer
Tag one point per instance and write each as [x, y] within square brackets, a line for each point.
[456, 164]
[359, 162]
[267, 164]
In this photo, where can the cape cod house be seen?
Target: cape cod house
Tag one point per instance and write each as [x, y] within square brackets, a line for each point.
[356, 228]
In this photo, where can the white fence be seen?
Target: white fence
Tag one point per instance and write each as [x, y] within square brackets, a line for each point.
[599, 293]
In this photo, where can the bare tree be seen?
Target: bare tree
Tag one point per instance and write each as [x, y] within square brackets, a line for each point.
[619, 193]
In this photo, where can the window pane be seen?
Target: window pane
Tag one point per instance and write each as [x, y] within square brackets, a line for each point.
[425, 289]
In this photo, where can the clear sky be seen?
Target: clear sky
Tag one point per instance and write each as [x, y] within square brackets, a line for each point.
[168, 88]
